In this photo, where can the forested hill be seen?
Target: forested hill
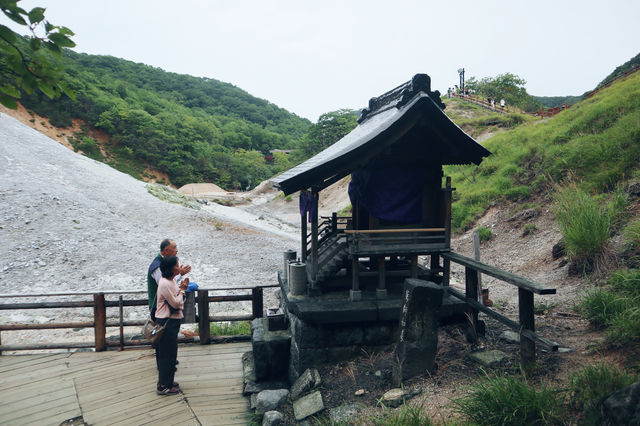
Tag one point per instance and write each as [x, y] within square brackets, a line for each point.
[194, 129]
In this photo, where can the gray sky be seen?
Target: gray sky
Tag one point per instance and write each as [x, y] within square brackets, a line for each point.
[312, 57]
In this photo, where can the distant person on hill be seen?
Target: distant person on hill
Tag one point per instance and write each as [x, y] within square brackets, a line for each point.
[502, 103]
[167, 248]
[170, 302]
[493, 104]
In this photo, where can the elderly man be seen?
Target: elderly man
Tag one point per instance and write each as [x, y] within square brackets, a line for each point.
[167, 248]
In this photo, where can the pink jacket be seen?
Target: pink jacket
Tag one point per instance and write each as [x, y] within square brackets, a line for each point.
[168, 290]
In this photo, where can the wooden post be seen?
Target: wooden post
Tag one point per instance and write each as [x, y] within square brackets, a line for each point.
[414, 266]
[476, 256]
[471, 290]
[446, 271]
[204, 328]
[334, 222]
[314, 239]
[121, 309]
[447, 213]
[381, 291]
[99, 322]
[527, 322]
[257, 302]
[355, 294]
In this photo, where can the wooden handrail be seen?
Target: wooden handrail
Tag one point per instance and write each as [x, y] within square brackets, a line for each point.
[509, 277]
[100, 323]
[392, 231]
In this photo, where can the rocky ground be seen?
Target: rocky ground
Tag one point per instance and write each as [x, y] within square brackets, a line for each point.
[72, 224]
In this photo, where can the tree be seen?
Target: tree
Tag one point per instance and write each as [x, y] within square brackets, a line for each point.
[23, 66]
[330, 128]
[505, 86]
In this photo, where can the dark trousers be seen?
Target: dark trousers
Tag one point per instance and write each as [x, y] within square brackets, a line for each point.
[167, 352]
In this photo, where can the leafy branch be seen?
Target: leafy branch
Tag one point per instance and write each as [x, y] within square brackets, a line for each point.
[23, 67]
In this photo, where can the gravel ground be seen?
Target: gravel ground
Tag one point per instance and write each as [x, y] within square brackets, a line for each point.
[72, 224]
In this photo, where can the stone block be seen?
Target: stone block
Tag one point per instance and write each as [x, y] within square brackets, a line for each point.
[379, 335]
[270, 351]
[489, 359]
[308, 405]
[272, 418]
[306, 335]
[269, 400]
[510, 336]
[307, 381]
[344, 335]
[252, 387]
[623, 406]
[418, 340]
[248, 371]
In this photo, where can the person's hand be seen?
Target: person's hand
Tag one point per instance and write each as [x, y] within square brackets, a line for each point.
[184, 269]
[184, 284]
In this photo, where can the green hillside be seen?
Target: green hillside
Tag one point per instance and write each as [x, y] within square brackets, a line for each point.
[194, 129]
[594, 144]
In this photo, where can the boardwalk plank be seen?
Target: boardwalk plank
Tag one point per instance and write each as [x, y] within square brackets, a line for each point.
[119, 387]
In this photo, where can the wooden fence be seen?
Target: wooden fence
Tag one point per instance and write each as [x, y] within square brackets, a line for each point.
[526, 290]
[100, 323]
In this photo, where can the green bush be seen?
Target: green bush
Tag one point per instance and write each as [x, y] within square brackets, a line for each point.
[584, 225]
[239, 328]
[507, 400]
[616, 307]
[484, 233]
[600, 306]
[591, 385]
[631, 234]
[405, 416]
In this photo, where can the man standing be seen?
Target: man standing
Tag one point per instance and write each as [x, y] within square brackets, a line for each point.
[167, 248]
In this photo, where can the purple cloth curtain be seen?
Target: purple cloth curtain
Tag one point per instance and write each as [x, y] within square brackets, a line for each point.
[308, 205]
[392, 193]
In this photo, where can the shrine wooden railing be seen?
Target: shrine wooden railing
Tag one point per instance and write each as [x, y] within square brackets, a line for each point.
[526, 290]
[100, 323]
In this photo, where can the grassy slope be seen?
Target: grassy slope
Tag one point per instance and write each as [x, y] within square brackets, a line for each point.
[596, 143]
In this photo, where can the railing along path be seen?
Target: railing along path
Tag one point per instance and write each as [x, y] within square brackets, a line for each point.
[100, 323]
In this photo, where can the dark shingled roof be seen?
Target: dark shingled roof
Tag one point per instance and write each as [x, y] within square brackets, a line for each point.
[388, 118]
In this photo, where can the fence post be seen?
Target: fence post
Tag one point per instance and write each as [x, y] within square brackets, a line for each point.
[471, 290]
[527, 322]
[204, 330]
[256, 302]
[99, 322]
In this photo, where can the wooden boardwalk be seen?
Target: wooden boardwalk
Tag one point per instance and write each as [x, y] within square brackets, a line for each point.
[118, 388]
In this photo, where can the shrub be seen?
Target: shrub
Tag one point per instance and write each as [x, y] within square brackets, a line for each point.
[591, 385]
[507, 400]
[584, 225]
[631, 234]
[239, 328]
[600, 306]
[405, 416]
[484, 233]
[616, 307]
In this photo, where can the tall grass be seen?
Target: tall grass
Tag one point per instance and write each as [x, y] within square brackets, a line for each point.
[616, 307]
[405, 416]
[591, 385]
[507, 400]
[583, 223]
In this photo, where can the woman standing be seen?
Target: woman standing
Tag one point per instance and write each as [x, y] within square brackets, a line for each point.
[169, 304]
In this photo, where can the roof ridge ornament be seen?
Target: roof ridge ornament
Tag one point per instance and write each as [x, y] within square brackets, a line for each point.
[401, 95]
